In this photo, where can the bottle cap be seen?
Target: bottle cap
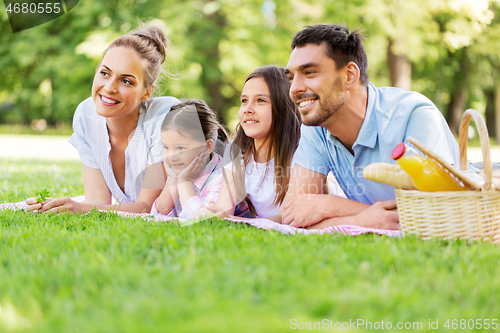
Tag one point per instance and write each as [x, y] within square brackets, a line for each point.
[398, 151]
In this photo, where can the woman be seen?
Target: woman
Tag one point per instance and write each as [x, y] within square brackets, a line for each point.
[117, 129]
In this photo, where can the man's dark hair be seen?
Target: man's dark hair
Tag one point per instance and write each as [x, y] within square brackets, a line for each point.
[342, 46]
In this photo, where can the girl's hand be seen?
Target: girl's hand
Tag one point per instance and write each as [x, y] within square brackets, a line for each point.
[204, 213]
[215, 210]
[193, 170]
[170, 172]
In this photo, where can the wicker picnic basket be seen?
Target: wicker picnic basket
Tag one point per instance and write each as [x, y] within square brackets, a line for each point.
[471, 215]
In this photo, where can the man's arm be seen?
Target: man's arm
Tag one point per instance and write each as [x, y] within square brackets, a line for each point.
[427, 125]
[306, 205]
[381, 215]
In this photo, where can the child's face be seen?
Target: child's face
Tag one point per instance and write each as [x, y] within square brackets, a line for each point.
[255, 113]
[180, 149]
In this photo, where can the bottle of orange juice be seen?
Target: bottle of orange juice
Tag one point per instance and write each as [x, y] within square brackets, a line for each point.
[428, 175]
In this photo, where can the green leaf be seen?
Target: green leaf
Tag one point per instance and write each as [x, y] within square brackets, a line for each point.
[42, 195]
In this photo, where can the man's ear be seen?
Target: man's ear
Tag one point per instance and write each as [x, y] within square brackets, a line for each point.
[210, 145]
[148, 94]
[352, 75]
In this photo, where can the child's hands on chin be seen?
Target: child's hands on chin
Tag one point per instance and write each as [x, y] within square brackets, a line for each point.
[193, 170]
[170, 172]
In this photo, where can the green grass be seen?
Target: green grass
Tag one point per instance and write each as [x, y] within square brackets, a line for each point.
[103, 273]
[63, 129]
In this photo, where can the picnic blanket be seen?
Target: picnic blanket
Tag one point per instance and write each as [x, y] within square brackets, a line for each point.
[260, 223]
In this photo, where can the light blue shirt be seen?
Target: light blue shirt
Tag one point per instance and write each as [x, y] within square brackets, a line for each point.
[392, 115]
[91, 139]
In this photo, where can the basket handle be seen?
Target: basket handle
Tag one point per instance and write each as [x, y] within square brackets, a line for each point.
[485, 144]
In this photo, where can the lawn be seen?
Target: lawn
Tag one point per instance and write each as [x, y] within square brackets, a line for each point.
[104, 273]
[62, 129]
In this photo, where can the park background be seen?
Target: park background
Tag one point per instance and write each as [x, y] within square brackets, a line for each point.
[104, 273]
[449, 50]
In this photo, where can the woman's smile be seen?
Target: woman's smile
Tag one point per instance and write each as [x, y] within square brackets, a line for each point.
[108, 101]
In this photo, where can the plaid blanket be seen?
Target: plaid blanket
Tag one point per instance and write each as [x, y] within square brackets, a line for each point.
[260, 223]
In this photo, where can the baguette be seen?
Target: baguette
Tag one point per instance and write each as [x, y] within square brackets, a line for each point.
[390, 174]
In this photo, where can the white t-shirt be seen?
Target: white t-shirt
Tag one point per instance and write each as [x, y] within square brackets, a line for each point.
[91, 139]
[334, 187]
[260, 186]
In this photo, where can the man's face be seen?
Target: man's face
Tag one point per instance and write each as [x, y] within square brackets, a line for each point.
[317, 86]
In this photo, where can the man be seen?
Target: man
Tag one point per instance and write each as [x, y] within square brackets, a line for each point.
[348, 124]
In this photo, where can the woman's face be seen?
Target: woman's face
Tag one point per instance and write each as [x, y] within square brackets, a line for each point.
[180, 149]
[119, 84]
[255, 113]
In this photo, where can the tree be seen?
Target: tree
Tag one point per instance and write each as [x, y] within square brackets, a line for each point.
[49, 69]
[486, 52]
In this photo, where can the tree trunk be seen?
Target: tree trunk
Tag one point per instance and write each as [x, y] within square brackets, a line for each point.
[459, 93]
[497, 114]
[212, 76]
[399, 66]
[490, 111]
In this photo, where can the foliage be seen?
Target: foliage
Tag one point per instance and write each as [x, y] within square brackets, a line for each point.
[61, 130]
[42, 196]
[104, 273]
[48, 70]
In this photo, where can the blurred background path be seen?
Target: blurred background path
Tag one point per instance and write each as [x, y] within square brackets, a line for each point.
[58, 148]
[36, 147]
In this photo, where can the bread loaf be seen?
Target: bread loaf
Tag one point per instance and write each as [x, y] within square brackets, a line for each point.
[390, 174]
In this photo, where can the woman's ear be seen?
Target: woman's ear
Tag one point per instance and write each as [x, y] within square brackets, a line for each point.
[148, 94]
[210, 145]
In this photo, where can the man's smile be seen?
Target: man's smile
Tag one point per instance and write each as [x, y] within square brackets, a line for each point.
[306, 103]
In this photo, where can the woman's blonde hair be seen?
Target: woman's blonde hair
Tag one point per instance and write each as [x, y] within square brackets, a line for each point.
[151, 43]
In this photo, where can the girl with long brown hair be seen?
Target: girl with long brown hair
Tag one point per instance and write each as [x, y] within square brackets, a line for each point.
[268, 134]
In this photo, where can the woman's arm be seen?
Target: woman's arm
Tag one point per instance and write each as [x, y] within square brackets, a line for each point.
[97, 196]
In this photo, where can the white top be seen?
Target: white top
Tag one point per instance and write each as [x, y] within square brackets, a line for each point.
[91, 139]
[260, 186]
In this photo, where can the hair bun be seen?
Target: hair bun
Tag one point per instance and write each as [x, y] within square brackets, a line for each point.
[150, 42]
[156, 36]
